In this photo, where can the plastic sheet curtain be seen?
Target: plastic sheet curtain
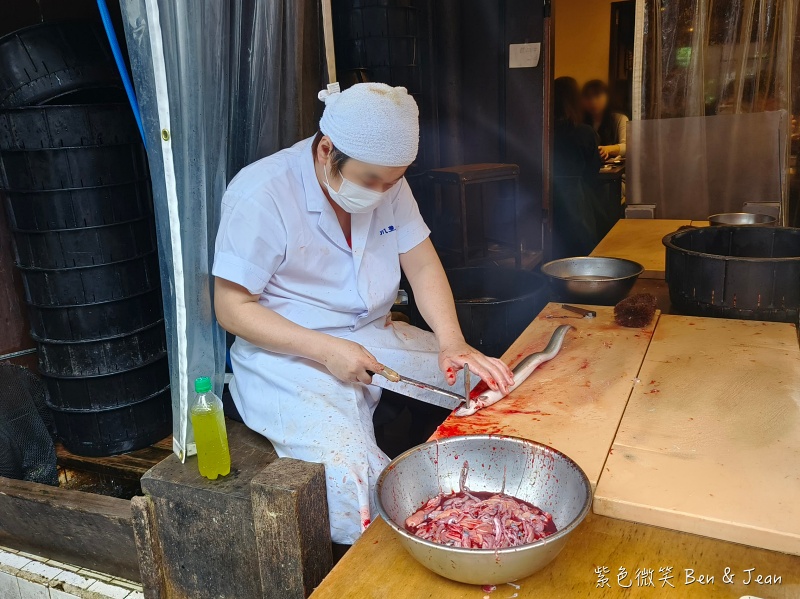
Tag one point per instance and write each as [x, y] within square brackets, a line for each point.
[723, 60]
[693, 167]
[708, 57]
[220, 83]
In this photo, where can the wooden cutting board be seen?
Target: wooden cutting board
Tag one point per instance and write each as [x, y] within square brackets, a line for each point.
[575, 401]
[640, 240]
[710, 441]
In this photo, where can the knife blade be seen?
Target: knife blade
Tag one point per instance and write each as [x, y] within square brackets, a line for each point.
[419, 390]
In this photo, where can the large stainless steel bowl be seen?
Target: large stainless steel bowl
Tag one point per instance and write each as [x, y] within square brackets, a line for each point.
[741, 218]
[592, 279]
[524, 469]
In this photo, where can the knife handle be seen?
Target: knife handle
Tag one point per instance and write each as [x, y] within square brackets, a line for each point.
[386, 373]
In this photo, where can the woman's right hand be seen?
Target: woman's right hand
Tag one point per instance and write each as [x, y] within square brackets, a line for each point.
[349, 362]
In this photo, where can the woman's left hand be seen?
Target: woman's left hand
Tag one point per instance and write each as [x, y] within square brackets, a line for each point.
[492, 371]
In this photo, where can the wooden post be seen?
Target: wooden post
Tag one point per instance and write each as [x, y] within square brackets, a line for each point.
[148, 548]
[327, 30]
[293, 534]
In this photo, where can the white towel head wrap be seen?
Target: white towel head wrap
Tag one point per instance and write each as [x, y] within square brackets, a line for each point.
[372, 122]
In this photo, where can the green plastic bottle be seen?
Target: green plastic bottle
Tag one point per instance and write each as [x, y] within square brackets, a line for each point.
[208, 421]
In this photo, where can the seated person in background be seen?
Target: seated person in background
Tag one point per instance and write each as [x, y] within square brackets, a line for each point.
[576, 165]
[610, 126]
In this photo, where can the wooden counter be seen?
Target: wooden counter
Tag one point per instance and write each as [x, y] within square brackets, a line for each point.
[575, 401]
[378, 567]
[710, 440]
[640, 240]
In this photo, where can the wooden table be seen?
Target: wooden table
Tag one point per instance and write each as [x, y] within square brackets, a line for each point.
[377, 566]
[575, 401]
[640, 240]
[710, 439]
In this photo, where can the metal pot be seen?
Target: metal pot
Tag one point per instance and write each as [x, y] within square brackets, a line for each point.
[742, 218]
[592, 279]
[527, 470]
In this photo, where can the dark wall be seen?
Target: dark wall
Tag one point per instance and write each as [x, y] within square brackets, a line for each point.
[488, 112]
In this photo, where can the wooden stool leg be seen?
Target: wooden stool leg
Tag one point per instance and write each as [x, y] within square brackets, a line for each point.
[290, 516]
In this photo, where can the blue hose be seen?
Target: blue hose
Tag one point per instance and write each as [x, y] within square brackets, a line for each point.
[123, 71]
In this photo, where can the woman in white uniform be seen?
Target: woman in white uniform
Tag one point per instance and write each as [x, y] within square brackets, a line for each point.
[307, 267]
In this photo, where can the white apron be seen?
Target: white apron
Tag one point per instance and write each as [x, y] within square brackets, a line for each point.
[279, 237]
[310, 415]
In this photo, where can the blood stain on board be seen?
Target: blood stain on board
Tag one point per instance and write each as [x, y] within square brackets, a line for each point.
[453, 429]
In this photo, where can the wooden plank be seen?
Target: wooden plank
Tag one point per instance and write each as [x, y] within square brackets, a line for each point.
[377, 567]
[129, 465]
[640, 240]
[710, 441]
[574, 402]
[84, 529]
[293, 535]
[165, 443]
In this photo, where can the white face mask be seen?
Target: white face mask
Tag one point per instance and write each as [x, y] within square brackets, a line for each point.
[353, 198]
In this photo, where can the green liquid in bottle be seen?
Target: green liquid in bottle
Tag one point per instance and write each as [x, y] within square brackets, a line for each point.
[213, 456]
[208, 422]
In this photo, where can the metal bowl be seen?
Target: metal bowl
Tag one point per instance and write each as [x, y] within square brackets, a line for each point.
[523, 469]
[742, 218]
[592, 279]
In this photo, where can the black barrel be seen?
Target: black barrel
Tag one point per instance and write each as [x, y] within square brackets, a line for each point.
[70, 168]
[109, 355]
[96, 320]
[79, 208]
[91, 284]
[107, 391]
[494, 305]
[746, 272]
[75, 125]
[70, 248]
[118, 430]
[45, 61]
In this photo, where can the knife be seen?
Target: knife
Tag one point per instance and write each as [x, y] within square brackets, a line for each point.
[437, 396]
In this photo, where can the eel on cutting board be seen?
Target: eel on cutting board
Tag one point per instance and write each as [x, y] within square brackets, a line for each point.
[521, 372]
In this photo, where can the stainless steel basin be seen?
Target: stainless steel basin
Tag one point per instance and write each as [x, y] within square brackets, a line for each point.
[592, 279]
[524, 469]
[741, 218]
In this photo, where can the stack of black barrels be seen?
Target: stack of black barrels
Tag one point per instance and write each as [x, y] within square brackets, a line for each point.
[76, 187]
